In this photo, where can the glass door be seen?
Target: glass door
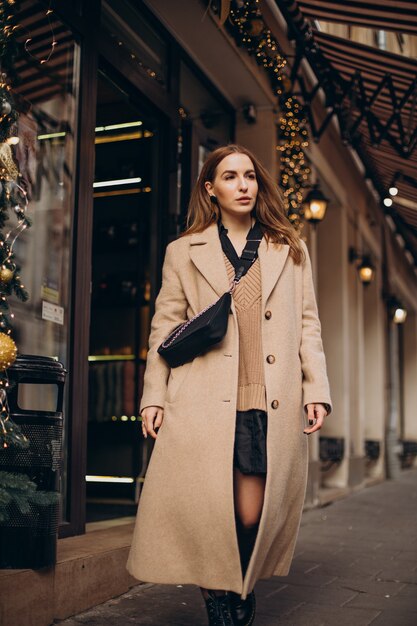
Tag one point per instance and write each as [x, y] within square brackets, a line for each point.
[126, 140]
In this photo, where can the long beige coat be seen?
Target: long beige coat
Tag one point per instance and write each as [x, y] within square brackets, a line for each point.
[185, 528]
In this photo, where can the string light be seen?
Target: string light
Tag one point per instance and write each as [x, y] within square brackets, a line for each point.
[54, 42]
[145, 68]
[250, 31]
[14, 200]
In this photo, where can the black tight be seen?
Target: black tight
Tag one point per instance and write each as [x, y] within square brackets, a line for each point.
[246, 536]
[248, 496]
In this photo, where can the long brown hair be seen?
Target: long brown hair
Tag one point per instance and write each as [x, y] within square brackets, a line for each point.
[268, 209]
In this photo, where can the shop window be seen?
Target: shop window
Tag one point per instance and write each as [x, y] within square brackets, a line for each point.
[125, 192]
[46, 96]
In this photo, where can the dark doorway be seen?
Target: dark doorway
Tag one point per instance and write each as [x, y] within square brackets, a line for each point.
[126, 172]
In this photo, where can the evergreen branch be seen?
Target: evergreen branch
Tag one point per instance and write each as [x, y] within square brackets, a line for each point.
[19, 490]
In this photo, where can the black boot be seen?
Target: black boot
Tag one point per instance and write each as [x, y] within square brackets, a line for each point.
[243, 611]
[218, 609]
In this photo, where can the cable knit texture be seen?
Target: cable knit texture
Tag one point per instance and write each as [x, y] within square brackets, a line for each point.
[248, 304]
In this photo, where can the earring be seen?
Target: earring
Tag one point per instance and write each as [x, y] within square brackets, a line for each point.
[213, 199]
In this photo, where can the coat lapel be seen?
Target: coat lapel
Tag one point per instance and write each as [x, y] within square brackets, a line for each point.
[272, 260]
[207, 255]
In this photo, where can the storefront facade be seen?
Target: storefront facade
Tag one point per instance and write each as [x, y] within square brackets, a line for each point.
[113, 130]
[114, 127]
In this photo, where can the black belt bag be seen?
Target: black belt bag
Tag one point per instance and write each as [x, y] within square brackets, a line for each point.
[209, 326]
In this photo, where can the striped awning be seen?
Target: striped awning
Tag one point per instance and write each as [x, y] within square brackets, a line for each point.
[396, 15]
[372, 92]
[390, 110]
[352, 59]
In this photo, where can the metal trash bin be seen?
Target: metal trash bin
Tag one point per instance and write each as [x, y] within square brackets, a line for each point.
[29, 540]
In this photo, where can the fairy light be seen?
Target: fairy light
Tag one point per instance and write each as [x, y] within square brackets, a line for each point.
[250, 31]
[134, 58]
[53, 44]
[14, 200]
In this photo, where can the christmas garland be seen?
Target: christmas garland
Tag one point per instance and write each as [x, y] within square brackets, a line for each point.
[13, 200]
[17, 491]
[249, 30]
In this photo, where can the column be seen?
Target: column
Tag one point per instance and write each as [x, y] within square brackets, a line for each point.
[333, 298]
[409, 368]
[375, 379]
[394, 389]
[356, 450]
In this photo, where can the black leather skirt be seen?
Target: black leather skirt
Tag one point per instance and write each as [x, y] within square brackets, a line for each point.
[250, 441]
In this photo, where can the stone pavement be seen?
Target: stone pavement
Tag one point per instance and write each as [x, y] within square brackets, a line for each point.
[355, 563]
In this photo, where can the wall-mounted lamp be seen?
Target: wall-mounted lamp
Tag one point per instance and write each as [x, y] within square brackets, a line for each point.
[250, 113]
[397, 312]
[366, 268]
[315, 205]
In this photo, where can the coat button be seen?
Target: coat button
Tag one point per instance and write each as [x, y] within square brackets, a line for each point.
[268, 315]
[274, 404]
[270, 358]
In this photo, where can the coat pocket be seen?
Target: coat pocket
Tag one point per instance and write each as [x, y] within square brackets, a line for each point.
[176, 380]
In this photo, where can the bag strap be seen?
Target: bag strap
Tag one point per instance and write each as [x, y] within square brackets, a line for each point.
[248, 255]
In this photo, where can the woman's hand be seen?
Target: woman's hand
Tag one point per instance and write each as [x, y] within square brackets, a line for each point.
[316, 413]
[152, 417]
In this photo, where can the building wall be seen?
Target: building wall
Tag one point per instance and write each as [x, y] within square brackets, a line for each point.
[354, 317]
[355, 323]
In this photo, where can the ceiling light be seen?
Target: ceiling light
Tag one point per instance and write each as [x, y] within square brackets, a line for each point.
[52, 135]
[119, 181]
[109, 479]
[102, 129]
[119, 137]
[388, 201]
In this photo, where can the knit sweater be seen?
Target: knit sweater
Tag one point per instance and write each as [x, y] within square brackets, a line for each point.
[247, 299]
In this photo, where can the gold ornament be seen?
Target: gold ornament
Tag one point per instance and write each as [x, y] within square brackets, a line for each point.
[6, 275]
[8, 351]
[7, 164]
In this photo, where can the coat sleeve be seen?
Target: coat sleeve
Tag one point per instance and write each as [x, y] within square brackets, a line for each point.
[313, 362]
[170, 311]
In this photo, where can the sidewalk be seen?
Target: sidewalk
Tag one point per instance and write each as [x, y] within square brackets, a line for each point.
[355, 563]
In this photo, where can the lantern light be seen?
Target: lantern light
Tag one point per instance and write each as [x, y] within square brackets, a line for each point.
[397, 311]
[315, 205]
[366, 269]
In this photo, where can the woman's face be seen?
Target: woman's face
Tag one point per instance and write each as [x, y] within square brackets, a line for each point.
[235, 185]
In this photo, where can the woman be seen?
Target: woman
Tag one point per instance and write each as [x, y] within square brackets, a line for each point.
[224, 489]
